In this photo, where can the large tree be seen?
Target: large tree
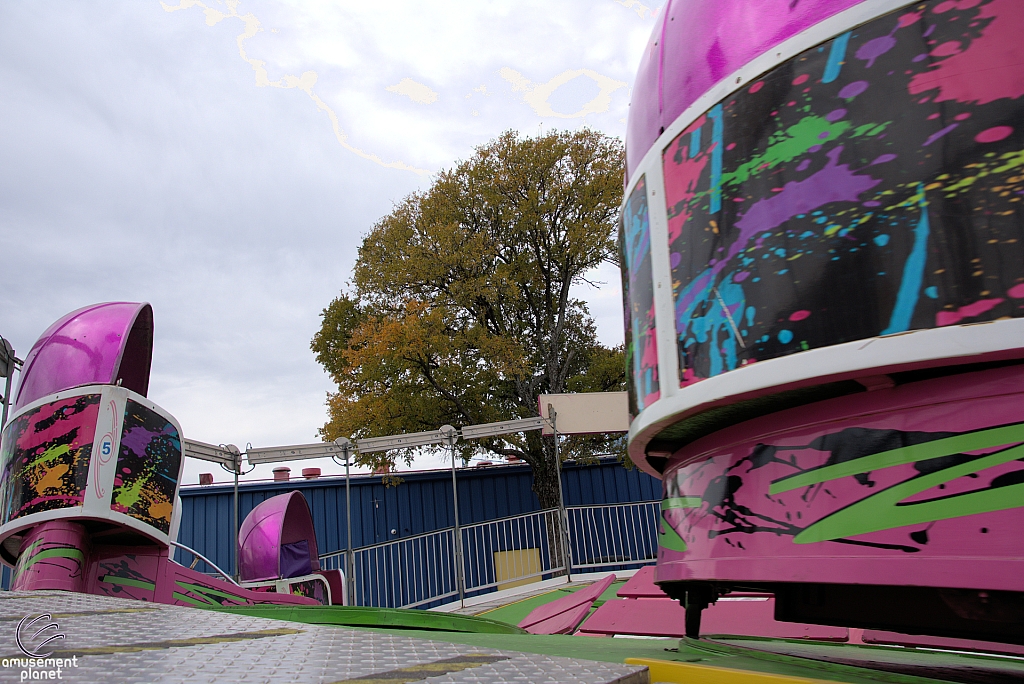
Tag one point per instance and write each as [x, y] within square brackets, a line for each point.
[459, 311]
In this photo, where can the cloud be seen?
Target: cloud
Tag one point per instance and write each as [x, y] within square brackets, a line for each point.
[538, 95]
[642, 11]
[304, 83]
[417, 92]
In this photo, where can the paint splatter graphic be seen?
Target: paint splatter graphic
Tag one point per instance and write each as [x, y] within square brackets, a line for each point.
[638, 293]
[315, 589]
[881, 166]
[866, 485]
[45, 458]
[129, 575]
[148, 466]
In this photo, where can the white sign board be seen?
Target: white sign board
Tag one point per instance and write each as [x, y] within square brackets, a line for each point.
[585, 412]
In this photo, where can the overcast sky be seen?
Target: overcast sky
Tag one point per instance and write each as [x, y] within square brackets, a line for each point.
[222, 161]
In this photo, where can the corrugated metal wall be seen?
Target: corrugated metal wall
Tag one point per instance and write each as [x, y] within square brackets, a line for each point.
[422, 503]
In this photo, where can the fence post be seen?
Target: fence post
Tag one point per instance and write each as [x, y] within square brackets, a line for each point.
[450, 435]
[563, 516]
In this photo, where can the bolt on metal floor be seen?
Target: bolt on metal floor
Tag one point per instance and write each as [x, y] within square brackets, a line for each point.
[124, 640]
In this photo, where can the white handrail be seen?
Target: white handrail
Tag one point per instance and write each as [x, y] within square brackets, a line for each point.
[206, 560]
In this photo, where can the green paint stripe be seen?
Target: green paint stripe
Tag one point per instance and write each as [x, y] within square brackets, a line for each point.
[885, 510]
[128, 582]
[189, 599]
[200, 589]
[973, 441]
[62, 552]
[668, 538]
[681, 502]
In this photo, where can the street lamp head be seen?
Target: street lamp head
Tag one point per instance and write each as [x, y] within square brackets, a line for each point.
[450, 433]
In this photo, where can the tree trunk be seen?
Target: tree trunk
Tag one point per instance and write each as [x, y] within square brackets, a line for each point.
[545, 486]
[545, 472]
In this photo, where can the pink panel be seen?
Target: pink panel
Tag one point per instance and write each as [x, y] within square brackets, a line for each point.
[940, 507]
[336, 580]
[641, 617]
[577, 598]
[563, 623]
[641, 585]
[102, 344]
[705, 41]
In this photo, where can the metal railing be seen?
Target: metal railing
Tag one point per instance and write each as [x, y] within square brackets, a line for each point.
[200, 557]
[512, 549]
[418, 570]
[404, 573]
[613, 534]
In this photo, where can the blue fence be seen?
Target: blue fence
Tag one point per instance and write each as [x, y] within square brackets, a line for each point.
[422, 503]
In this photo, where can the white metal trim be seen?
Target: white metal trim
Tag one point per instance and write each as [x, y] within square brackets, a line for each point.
[99, 489]
[867, 356]
[661, 272]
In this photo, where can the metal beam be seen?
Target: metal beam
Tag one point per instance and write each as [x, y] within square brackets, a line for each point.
[209, 452]
[291, 453]
[413, 439]
[504, 427]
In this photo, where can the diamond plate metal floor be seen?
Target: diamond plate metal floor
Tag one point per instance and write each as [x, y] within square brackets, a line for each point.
[123, 640]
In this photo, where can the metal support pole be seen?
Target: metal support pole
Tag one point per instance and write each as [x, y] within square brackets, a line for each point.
[460, 579]
[350, 560]
[563, 515]
[234, 516]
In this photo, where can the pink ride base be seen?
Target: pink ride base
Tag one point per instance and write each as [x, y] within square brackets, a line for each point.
[647, 611]
[862, 489]
[58, 555]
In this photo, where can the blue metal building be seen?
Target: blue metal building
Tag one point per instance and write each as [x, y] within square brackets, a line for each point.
[422, 503]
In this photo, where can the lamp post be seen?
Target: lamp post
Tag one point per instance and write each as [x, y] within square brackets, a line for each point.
[451, 434]
[236, 469]
[228, 457]
[346, 449]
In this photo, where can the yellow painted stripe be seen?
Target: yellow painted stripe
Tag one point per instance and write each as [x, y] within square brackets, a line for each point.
[690, 673]
[418, 673]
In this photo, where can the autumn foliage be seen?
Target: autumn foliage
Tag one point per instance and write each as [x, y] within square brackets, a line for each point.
[460, 311]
